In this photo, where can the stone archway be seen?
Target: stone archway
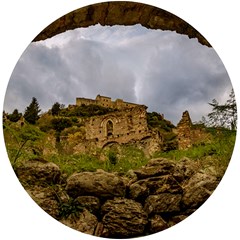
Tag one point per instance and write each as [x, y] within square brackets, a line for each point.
[121, 13]
[110, 144]
[108, 125]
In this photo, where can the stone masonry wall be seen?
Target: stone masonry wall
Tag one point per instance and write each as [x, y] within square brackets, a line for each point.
[105, 102]
[144, 201]
[120, 126]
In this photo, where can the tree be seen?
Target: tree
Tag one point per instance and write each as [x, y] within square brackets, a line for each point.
[15, 116]
[59, 124]
[224, 115]
[31, 113]
[56, 108]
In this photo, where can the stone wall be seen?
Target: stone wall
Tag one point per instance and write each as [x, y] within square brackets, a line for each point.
[84, 101]
[144, 201]
[120, 126]
[105, 102]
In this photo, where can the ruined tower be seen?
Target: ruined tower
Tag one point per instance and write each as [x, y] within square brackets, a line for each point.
[184, 131]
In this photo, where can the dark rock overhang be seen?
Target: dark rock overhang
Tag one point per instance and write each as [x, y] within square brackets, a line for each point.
[121, 13]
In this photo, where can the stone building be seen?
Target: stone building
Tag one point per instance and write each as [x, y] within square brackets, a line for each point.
[125, 125]
[121, 126]
[105, 102]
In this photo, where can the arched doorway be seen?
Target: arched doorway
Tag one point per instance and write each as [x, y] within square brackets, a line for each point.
[109, 128]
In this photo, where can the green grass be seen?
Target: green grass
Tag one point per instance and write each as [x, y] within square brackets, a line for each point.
[130, 158]
[75, 163]
[216, 153]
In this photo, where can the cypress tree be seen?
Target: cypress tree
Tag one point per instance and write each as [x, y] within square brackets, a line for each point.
[31, 113]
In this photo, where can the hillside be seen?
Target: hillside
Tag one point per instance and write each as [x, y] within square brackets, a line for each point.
[56, 139]
[99, 191]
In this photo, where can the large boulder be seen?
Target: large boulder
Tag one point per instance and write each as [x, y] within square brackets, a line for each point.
[100, 184]
[38, 171]
[198, 189]
[123, 218]
[154, 185]
[91, 203]
[46, 198]
[185, 168]
[85, 222]
[176, 219]
[157, 224]
[163, 203]
[155, 167]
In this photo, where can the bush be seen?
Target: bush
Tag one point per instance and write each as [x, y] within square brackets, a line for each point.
[56, 108]
[156, 120]
[15, 116]
[112, 157]
[85, 111]
[60, 123]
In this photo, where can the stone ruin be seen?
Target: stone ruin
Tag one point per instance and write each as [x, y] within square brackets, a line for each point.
[184, 131]
[127, 124]
[187, 134]
[105, 101]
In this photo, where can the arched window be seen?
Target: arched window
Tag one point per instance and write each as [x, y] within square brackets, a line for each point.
[109, 128]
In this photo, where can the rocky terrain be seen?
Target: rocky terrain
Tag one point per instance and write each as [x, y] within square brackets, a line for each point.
[113, 205]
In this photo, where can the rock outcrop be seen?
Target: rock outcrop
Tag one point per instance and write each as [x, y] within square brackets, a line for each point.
[144, 201]
[121, 13]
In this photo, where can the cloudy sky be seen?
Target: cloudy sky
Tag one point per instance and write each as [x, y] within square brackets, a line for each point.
[165, 71]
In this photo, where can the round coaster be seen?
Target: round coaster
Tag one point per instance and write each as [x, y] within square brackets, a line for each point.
[119, 119]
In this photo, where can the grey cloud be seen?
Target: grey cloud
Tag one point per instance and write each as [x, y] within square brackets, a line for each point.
[165, 71]
[38, 73]
[187, 75]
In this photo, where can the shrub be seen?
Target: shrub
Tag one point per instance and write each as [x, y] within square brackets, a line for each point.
[112, 157]
[15, 116]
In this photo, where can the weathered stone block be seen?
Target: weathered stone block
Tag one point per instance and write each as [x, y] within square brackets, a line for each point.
[86, 222]
[163, 203]
[38, 170]
[198, 189]
[124, 218]
[100, 184]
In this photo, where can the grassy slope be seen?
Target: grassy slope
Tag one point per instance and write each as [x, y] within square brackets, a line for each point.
[215, 154]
